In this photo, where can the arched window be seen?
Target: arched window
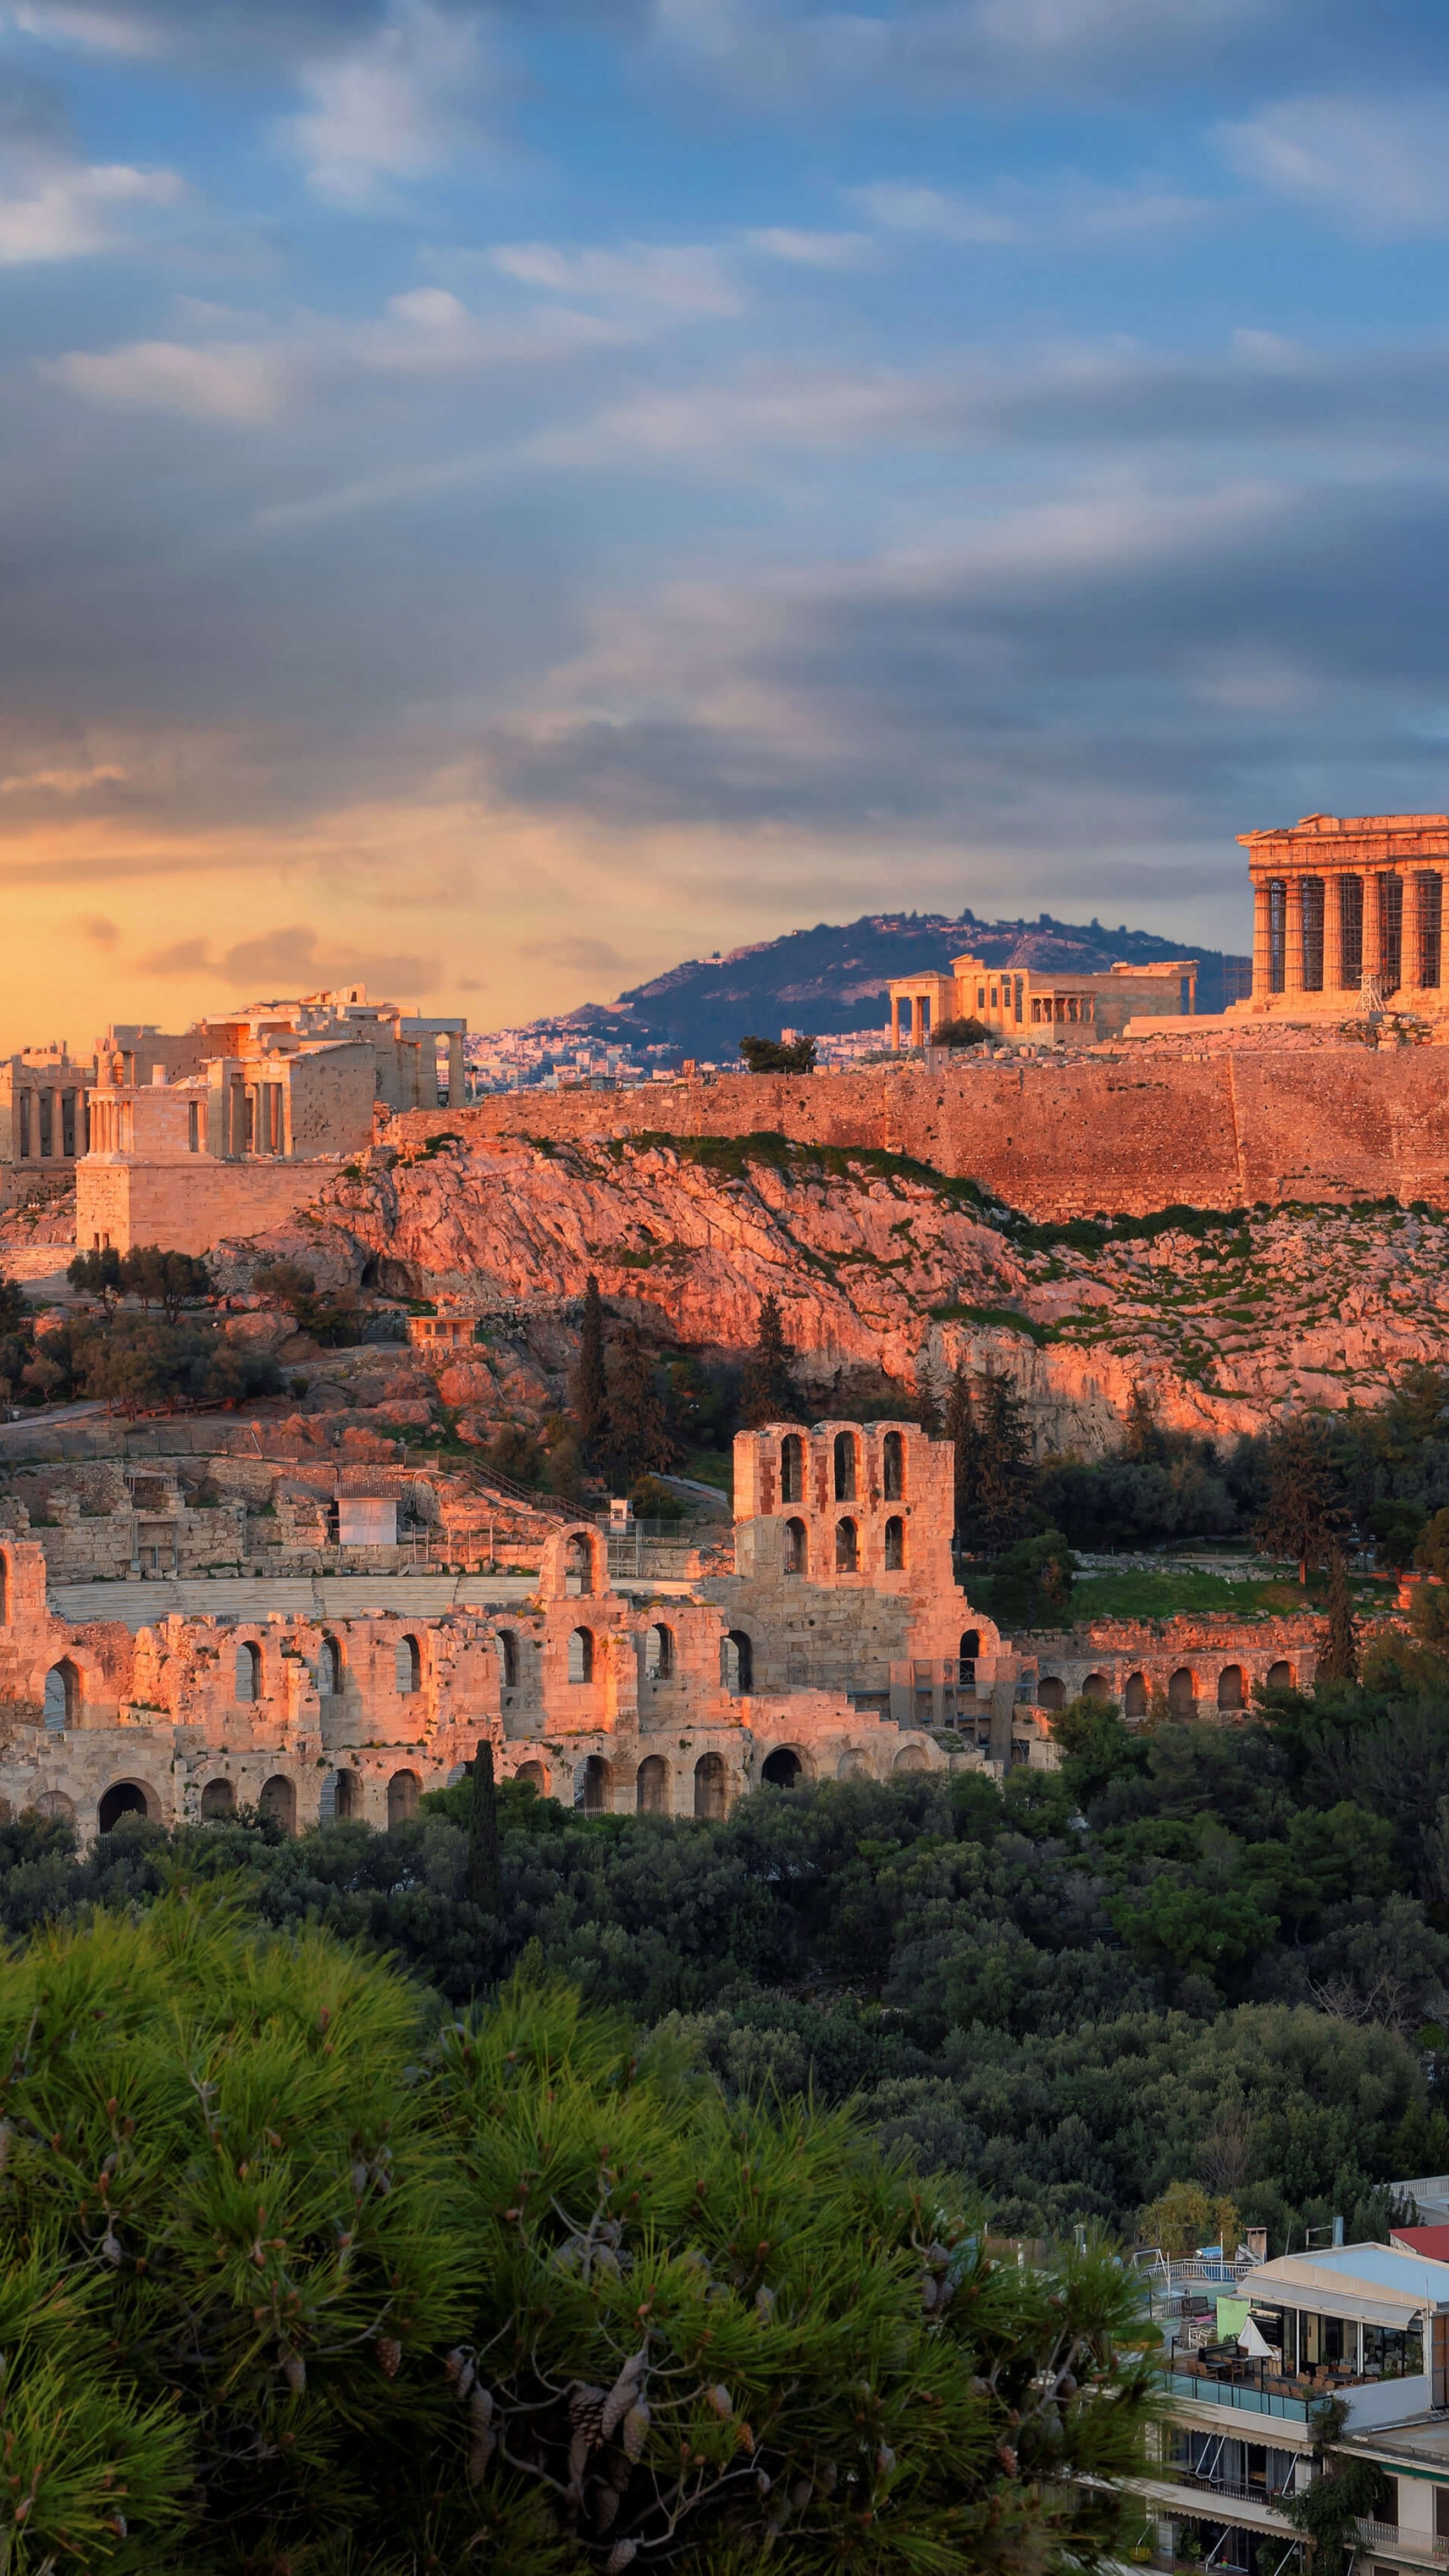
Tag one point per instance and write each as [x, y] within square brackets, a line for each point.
[911, 1757]
[534, 1774]
[847, 1548]
[279, 1801]
[1051, 1692]
[581, 1655]
[248, 1672]
[659, 1654]
[507, 1645]
[409, 1666]
[55, 1807]
[62, 1696]
[1182, 1692]
[347, 1795]
[1280, 1677]
[652, 1786]
[792, 1468]
[218, 1799]
[1134, 1697]
[797, 1548]
[1230, 1686]
[1096, 1686]
[594, 1791]
[329, 1669]
[895, 1544]
[127, 1798]
[579, 1563]
[737, 1663]
[781, 1768]
[845, 1476]
[710, 1786]
[970, 1648]
[893, 1467]
[402, 1797]
[853, 1765]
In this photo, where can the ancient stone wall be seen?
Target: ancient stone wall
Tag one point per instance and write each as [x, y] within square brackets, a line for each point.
[188, 1206]
[1126, 1132]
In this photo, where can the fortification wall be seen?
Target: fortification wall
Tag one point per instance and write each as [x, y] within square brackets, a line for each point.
[188, 1206]
[1126, 1132]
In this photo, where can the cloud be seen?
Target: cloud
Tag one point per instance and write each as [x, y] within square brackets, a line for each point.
[813, 250]
[430, 331]
[906, 209]
[241, 386]
[576, 956]
[1379, 166]
[293, 959]
[682, 279]
[66, 213]
[97, 929]
[392, 109]
[65, 783]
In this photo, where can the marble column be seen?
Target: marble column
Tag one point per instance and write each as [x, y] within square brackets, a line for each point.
[1293, 936]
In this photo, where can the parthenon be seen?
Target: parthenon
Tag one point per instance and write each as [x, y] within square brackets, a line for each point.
[1344, 903]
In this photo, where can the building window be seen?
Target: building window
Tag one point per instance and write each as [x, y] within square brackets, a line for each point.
[893, 1467]
[581, 1655]
[1391, 932]
[193, 1126]
[1429, 923]
[47, 1124]
[67, 1123]
[659, 1654]
[895, 1544]
[1350, 934]
[507, 1645]
[847, 1548]
[737, 1662]
[248, 1672]
[845, 1474]
[1313, 934]
[409, 1666]
[329, 1669]
[792, 1469]
[797, 1548]
[1020, 988]
[1277, 934]
[970, 1648]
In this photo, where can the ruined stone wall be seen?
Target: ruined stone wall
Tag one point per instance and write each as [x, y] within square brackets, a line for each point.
[187, 1207]
[1126, 1132]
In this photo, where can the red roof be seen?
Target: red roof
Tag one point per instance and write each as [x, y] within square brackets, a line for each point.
[1432, 2242]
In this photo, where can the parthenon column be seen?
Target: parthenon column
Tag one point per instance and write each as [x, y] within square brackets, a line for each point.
[1262, 943]
[1293, 935]
[1332, 934]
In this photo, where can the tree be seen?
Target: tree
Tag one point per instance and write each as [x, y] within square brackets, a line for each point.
[1339, 1659]
[767, 1392]
[959, 1033]
[771, 1055]
[1183, 2218]
[1031, 1585]
[483, 1872]
[1344, 2493]
[588, 1386]
[994, 1465]
[1431, 1551]
[166, 1279]
[637, 1437]
[1143, 1440]
[1303, 1511]
[97, 1274]
[285, 1284]
[960, 1430]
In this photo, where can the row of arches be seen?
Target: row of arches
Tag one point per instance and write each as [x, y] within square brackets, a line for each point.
[846, 1475]
[1183, 1695]
[847, 1546]
[600, 1784]
[736, 1657]
[331, 1669]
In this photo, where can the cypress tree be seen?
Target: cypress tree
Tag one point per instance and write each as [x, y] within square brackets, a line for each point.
[961, 1432]
[484, 1884]
[767, 1393]
[588, 1387]
[1339, 1659]
[993, 1462]
[636, 1436]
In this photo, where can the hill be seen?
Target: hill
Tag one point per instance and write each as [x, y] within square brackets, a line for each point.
[835, 976]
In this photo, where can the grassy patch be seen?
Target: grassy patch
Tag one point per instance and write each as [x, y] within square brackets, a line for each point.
[1006, 1317]
[1182, 1592]
[712, 1467]
[734, 1157]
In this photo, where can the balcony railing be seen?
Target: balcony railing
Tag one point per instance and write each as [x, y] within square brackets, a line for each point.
[1273, 2497]
[1206, 2391]
[1405, 2544]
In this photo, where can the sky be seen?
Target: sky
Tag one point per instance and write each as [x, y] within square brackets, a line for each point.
[495, 501]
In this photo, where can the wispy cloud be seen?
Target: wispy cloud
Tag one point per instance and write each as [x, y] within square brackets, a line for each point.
[902, 208]
[680, 278]
[841, 251]
[1377, 165]
[241, 386]
[68, 212]
[392, 110]
[293, 958]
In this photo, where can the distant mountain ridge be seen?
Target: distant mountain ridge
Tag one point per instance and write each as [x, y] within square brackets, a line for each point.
[835, 977]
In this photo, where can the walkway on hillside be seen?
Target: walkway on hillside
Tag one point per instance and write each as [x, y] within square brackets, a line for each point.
[327, 1596]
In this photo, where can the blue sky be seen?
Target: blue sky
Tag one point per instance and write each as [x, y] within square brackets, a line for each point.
[500, 500]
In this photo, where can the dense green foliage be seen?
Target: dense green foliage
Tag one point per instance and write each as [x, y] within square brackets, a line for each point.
[298, 2282]
[773, 1055]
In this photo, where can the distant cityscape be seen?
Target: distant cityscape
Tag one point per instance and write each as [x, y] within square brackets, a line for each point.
[551, 1055]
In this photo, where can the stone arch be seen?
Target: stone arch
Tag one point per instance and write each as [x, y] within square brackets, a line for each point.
[737, 1663]
[659, 1654]
[651, 1788]
[218, 1800]
[797, 1548]
[581, 1655]
[782, 1768]
[847, 1547]
[403, 1791]
[56, 1807]
[847, 1467]
[1231, 1693]
[126, 1798]
[62, 1695]
[346, 1796]
[893, 1467]
[966, 1659]
[1135, 1696]
[409, 1666]
[579, 1562]
[329, 1668]
[792, 1468]
[594, 1786]
[248, 1681]
[536, 1776]
[1182, 1691]
[1279, 1677]
[279, 1802]
[853, 1764]
[895, 1544]
[711, 1787]
[507, 1644]
[1096, 1686]
[911, 1757]
[1051, 1691]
